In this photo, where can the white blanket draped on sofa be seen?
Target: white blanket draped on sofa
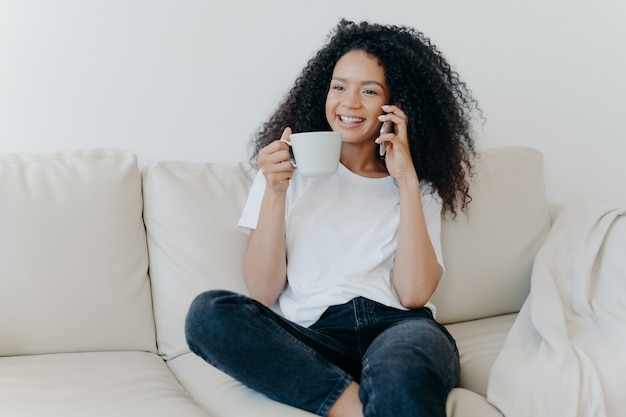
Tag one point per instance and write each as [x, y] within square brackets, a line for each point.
[566, 352]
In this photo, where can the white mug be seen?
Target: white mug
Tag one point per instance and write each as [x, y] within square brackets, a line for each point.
[316, 153]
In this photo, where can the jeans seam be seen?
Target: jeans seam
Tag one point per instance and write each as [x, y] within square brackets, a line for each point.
[357, 325]
[369, 387]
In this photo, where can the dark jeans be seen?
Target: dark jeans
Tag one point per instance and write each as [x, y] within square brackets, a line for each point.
[405, 362]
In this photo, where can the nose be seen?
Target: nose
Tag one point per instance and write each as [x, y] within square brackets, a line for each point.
[352, 99]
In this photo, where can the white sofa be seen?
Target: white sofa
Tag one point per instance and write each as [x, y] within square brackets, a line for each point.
[99, 262]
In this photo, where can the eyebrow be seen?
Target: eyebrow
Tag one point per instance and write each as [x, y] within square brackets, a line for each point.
[368, 82]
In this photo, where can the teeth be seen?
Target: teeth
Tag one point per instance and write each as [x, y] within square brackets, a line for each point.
[351, 119]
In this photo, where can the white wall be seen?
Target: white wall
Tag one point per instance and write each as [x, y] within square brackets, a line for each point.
[192, 80]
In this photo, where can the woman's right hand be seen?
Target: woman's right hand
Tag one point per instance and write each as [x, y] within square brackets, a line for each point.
[275, 163]
[265, 264]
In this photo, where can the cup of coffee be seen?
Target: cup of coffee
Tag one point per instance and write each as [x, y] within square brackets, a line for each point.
[316, 154]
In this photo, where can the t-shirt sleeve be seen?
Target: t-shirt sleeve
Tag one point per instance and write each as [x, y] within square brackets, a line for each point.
[252, 207]
[432, 206]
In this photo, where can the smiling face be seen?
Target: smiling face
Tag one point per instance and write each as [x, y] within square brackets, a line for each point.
[357, 92]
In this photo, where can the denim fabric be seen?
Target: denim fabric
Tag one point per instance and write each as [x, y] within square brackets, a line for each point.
[405, 362]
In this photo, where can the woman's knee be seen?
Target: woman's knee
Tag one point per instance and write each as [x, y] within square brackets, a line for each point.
[208, 311]
[416, 349]
[204, 304]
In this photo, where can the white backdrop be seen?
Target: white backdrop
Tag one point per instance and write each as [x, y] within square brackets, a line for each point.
[192, 80]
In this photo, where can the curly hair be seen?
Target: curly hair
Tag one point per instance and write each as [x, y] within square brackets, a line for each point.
[438, 104]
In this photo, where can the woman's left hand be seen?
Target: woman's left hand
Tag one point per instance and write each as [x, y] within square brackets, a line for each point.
[416, 270]
[396, 144]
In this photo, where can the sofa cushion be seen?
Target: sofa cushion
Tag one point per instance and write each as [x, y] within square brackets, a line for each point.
[221, 395]
[73, 256]
[94, 384]
[488, 252]
[479, 342]
[191, 212]
[465, 403]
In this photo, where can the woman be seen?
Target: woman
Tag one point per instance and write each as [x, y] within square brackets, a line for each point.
[352, 259]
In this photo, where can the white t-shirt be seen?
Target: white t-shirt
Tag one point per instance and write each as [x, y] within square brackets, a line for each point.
[341, 238]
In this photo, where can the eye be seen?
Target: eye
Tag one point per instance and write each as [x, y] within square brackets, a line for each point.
[369, 92]
[338, 87]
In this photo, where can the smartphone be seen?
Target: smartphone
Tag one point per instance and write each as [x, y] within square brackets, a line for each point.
[387, 127]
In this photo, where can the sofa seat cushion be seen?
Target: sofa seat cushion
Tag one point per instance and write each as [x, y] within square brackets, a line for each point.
[221, 395]
[95, 384]
[465, 403]
[479, 342]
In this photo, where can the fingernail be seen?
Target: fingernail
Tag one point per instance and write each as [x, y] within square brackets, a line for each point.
[381, 117]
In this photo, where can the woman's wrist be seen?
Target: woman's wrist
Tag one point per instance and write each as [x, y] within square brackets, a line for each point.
[408, 180]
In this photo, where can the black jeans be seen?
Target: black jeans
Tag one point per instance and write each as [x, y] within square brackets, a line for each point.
[405, 362]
